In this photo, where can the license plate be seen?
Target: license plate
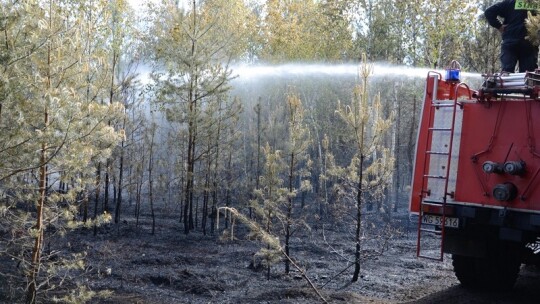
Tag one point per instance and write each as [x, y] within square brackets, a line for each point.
[437, 220]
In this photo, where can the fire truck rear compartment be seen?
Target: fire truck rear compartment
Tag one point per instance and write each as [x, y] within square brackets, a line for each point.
[477, 160]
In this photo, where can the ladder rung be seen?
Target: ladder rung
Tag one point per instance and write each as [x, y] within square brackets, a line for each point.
[434, 205]
[430, 257]
[445, 105]
[438, 232]
[437, 153]
[435, 176]
[440, 129]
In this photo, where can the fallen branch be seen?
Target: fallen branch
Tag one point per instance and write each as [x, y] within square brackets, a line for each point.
[337, 275]
[270, 240]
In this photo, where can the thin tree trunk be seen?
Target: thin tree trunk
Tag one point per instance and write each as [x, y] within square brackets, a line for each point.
[117, 210]
[289, 214]
[96, 201]
[206, 191]
[85, 206]
[138, 191]
[138, 202]
[192, 215]
[130, 179]
[188, 200]
[358, 221]
[214, 191]
[258, 173]
[205, 205]
[182, 184]
[268, 229]
[115, 190]
[188, 208]
[397, 154]
[111, 96]
[38, 241]
[151, 181]
[229, 182]
[322, 169]
[206, 195]
[107, 186]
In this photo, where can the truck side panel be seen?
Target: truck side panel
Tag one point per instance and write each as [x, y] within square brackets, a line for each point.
[504, 131]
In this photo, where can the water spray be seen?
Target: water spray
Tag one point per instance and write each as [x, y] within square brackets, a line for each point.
[245, 72]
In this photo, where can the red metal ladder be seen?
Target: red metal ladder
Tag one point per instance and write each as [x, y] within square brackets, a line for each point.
[439, 202]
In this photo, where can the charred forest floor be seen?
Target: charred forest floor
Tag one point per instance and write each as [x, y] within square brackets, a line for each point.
[172, 267]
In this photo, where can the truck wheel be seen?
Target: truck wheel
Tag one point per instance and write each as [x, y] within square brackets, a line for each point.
[497, 272]
[464, 268]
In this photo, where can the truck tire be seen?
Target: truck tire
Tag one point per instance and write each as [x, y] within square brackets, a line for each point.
[464, 268]
[496, 272]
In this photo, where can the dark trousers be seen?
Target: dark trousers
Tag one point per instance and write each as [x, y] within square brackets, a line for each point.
[520, 51]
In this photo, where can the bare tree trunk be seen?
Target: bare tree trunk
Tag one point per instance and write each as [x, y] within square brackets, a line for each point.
[269, 230]
[38, 241]
[397, 172]
[117, 210]
[85, 206]
[114, 189]
[115, 56]
[288, 222]
[130, 180]
[151, 181]
[182, 199]
[358, 221]
[182, 185]
[229, 181]
[410, 151]
[106, 186]
[138, 191]
[138, 202]
[214, 191]
[206, 192]
[188, 207]
[322, 169]
[206, 196]
[193, 216]
[96, 201]
[258, 173]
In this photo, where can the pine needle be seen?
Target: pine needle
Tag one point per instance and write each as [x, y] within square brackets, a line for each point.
[532, 23]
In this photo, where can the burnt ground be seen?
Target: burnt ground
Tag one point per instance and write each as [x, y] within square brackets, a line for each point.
[171, 267]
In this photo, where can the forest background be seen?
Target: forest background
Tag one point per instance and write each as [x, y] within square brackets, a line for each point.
[104, 110]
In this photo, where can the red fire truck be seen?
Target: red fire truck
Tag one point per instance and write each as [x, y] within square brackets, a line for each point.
[476, 175]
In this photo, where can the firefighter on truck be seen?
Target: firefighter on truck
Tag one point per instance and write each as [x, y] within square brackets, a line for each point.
[515, 48]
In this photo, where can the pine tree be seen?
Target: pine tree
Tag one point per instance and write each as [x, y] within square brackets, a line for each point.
[49, 127]
[370, 168]
[297, 166]
[192, 54]
[269, 198]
